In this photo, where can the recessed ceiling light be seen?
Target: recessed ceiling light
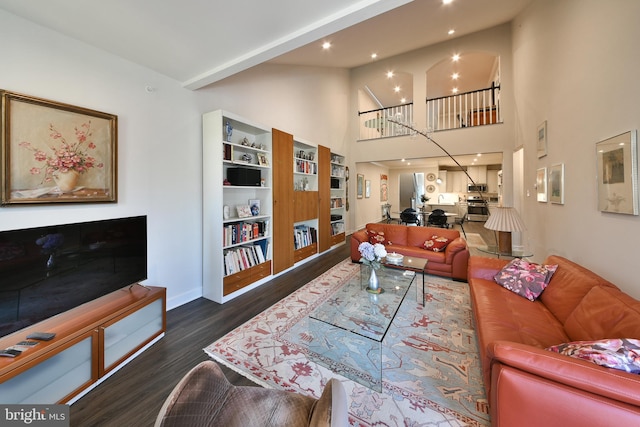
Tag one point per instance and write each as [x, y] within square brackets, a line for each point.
[389, 74]
[374, 55]
[454, 90]
[326, 45]
[396, 89]
[447, 1]
[451, 31]
[403, 100]
[455, 76]
[455, 57]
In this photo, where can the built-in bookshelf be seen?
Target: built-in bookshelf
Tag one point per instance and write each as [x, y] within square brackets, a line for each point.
[337, 201]
[305, 186]
[237, 199]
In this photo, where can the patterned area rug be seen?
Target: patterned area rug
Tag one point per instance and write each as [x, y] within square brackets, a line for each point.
[474, 240]
[431, 373]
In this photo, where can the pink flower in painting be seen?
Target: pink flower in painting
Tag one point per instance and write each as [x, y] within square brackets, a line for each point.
[67, 155]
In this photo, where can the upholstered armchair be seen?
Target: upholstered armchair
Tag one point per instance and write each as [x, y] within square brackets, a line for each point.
[204, 397]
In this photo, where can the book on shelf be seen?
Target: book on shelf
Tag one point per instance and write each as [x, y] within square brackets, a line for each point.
[304, 235]
[244, 257]
[241, 231]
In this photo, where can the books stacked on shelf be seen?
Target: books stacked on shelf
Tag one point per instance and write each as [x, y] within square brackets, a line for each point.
[303, 235]
[337, 228]
[246, 256]
[305, 166]
[336, 203]
[239, 232]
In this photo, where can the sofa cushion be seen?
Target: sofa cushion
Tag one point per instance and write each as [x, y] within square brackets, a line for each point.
[604, 313]
[436, 243]
[617, 353]
[377, 236]
[417, 235]
[525, 278]
[395, 234]
[570, 283]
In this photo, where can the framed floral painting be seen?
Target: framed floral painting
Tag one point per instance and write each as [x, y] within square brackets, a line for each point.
[56, 153]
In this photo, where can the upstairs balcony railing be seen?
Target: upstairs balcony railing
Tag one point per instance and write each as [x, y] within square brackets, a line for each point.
[475, 108]
[375, 123]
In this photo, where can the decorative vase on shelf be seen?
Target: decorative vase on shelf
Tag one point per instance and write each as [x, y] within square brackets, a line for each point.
[228, 131]
[66, 181]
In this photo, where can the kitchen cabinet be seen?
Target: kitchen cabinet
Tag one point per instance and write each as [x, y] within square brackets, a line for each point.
[456, 182]
[478, 174]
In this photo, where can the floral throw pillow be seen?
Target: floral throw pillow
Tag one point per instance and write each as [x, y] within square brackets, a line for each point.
[377, 237]
[620, 353]
[436, 243]
[526, 279]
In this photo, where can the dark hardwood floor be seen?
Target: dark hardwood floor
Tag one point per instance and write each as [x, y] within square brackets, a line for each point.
[133, 396]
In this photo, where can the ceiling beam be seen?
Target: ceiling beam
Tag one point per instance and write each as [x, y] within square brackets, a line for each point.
[347, 17]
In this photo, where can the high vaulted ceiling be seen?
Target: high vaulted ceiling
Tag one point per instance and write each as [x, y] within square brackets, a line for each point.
[199, 42]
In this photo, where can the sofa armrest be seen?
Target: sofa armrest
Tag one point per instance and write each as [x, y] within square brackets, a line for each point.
[457, 255]
[356, 238]
[453, 248]
[485, 268]
[567, 371]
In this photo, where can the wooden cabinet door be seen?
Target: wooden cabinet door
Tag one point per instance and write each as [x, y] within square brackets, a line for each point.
[324, 198]
[282, 169]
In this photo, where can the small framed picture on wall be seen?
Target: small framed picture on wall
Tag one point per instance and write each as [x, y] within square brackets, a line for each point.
[360, 186]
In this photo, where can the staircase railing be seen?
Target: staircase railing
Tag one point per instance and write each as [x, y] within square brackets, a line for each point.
[475, 108]
[375, 123]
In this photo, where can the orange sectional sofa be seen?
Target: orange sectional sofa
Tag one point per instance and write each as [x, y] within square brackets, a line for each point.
[527, 384]
[409, 241]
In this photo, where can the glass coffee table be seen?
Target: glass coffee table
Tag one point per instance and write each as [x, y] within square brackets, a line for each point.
[346, 332]
[417, 265]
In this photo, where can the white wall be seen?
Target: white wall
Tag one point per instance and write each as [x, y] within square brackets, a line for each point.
[308, 102]
[160, 134]
[369, 209]
[575, 65]
[159, 145]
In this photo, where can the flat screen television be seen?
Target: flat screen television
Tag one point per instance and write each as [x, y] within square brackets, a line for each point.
[48, 270]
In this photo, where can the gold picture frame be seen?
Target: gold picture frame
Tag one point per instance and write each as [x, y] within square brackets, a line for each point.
[56, 153]
[263, 160]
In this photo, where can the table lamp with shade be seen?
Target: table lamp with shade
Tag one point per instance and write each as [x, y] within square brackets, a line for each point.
[504, 220]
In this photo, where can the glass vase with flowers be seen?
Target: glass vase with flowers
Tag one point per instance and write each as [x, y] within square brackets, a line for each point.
[372, 255]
